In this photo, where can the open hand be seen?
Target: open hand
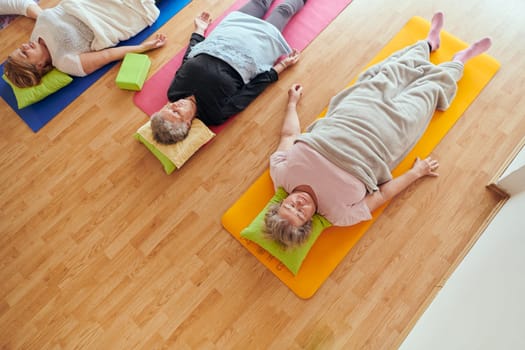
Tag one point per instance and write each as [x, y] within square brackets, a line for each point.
[202, 22]
[426, 167]
[155, 43]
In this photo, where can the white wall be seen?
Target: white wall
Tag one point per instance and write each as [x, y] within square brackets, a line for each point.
[513, 178]
[482, 305]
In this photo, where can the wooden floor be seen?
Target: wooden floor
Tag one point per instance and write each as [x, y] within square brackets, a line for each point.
[100, 249]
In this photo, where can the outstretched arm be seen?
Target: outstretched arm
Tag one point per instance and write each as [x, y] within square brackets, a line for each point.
[395, 186]
[201, 22]
[91, 61]
[291, 127]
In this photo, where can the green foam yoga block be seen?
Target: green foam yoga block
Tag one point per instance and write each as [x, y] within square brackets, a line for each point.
[133, 71]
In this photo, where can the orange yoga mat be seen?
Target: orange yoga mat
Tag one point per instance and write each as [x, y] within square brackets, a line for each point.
[334, 243]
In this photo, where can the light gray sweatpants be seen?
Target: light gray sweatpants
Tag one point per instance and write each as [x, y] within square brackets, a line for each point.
[279, 17]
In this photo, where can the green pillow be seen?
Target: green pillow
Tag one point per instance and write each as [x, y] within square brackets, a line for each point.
[292, 258]
[51, 82]
[168, 165]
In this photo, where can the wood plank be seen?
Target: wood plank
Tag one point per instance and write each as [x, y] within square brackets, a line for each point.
[101, 249]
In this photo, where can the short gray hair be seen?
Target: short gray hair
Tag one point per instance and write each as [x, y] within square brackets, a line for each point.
[282, 231]
[167, 132]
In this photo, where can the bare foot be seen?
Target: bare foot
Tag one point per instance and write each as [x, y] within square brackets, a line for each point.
[435, 29]
[474, 50]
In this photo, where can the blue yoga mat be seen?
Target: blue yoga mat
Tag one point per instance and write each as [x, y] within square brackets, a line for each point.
[40, 113]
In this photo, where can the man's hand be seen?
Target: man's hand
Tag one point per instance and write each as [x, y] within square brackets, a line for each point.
[202, 23]
[292, 58]
[288, 61]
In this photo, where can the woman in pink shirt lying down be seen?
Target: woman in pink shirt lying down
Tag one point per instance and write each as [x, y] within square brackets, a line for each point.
[341, 166]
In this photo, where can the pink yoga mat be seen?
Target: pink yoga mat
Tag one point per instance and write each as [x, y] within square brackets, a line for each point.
[299, 32]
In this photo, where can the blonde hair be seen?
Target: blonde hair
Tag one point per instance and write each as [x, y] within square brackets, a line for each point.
[283, 232]
[24, 74]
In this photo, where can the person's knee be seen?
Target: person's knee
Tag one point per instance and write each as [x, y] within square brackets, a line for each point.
[289, 8]
[265, 3]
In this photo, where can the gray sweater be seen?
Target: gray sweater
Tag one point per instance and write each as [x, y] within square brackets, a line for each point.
[248, 44]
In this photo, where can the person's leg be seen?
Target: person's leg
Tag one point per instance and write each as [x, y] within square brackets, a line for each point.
[432, 40]
[433, 37]
[284, 12]
[419, 49]
[256, 8]
[455, 69]
[474, 50]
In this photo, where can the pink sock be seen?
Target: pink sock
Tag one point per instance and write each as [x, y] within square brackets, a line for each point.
[435, 29]
[475, 49]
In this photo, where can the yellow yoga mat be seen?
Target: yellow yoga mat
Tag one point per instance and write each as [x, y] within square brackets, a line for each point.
[334, 243]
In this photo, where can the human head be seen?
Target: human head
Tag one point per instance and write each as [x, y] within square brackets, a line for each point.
[282, 231]
[172, 123]
[290, 221]
[26, 65]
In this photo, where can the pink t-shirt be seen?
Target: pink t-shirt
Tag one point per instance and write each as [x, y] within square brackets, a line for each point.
[340, 195]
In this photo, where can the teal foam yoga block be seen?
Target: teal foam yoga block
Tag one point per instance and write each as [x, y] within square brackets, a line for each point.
[133, 71]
